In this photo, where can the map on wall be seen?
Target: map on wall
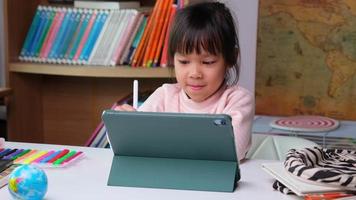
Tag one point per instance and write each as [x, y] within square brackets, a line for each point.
[306, 58]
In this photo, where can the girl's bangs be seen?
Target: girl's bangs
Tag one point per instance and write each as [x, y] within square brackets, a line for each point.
[198, 41]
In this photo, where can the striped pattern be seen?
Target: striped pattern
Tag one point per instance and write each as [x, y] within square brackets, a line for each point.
[331, 167]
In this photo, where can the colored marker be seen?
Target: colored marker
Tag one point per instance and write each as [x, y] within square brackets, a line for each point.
[3, 153]
[62, 153]
[8, 153]
[21, 154]
[20, 159]
[50, 156]
[76, 156]
[61, 160]
[34, 157]
[38, 160]
[10, 156]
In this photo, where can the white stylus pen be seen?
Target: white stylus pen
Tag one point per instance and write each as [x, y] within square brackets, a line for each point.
[135, 94]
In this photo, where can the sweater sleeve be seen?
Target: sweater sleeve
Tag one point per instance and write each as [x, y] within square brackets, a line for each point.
[241, 107]
[154, 103]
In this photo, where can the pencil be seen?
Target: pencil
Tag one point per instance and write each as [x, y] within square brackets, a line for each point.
[135, 94]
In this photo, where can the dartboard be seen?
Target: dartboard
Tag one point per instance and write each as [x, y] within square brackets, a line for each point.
[305, 123]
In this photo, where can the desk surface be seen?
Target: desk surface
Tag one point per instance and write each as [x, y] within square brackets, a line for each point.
[87, 179]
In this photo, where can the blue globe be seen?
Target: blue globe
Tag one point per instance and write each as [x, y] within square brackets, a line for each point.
[28, 182]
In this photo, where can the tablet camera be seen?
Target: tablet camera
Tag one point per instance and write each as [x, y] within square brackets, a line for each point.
[220, 122]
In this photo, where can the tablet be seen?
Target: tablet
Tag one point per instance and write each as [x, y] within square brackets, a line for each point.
[172, 150]
[172, 135]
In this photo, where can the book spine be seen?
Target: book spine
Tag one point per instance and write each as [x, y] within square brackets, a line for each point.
[99, 22]
[97, 32]
[85, 17]
[50, 31]
[116, 36]
[66, 36]
[53, 33]
[79, 22]
[164, 57]
[50, 16]
[88, 36]
[162, 26]
[136, 41]
[92, 15]
[53, 53]
[131, 38]
[31, 33]
[97, 50]
[131, 17]
[38, 32]
[159, 27]
[68, 42]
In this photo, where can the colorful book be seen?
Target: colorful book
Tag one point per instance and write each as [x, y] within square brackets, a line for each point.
[132, 36]
[53, 55]
[159, 31]
[106, 4]
[92, 38]
[38, 33]
[31, 32]
[52, 30]
[73, 44]
[84, 39]
[136, 41]
[95, 57]
[128, 23]
[116, 37]
[164, 57]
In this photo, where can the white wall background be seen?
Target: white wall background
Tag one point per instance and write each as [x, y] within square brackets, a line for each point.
[246, 12]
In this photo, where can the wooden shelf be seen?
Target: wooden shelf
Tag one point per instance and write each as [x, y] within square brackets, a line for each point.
[61, 104]
[91, 71]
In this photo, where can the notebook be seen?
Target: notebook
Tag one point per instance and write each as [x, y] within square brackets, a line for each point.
[298, 186]
[172, 150]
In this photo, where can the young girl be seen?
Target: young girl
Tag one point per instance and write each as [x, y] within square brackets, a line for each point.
[204, 48]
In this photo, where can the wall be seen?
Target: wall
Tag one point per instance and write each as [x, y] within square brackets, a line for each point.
[246, 12]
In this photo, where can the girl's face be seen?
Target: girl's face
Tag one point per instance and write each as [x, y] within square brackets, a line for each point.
[200, 75]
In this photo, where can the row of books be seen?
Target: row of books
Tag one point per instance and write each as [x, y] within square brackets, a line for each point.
[99, 37]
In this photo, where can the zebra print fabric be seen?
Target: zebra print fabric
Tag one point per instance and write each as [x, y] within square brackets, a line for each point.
[330, 167]
[282, 188]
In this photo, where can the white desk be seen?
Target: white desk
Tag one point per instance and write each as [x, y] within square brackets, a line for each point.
[87, 179]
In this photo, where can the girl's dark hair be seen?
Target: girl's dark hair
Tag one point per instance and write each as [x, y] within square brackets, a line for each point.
[210, 27]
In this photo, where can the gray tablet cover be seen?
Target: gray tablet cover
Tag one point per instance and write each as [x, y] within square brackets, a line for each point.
[172, 150]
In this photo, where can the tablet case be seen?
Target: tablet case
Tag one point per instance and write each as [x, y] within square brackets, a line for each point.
[172, 150]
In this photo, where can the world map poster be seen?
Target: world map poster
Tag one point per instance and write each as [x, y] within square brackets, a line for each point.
[306, 58]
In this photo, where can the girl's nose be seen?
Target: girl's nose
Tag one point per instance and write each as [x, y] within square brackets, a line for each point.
[195, 71]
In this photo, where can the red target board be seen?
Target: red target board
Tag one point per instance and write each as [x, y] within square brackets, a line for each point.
[305, 123]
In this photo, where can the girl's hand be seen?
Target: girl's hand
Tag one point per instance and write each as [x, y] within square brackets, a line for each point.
[124, 107]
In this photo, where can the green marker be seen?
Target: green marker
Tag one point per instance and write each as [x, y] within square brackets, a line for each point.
[61, 160]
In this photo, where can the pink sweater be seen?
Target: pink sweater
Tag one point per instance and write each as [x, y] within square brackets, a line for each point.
[234, 101]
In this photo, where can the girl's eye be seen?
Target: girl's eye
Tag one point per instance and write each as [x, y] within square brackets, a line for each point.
[209, 62]
[183, 62]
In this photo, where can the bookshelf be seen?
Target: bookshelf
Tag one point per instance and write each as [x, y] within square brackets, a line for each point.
[61, 104]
